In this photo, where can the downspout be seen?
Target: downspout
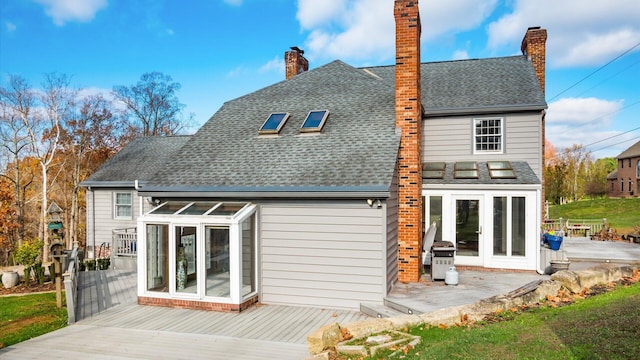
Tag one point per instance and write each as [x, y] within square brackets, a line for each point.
[136, 186]
[93, 221]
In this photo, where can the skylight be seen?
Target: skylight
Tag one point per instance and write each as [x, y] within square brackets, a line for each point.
[466, 170]
[274, 123]
[433, 170]
[501, 170]
[315, 121]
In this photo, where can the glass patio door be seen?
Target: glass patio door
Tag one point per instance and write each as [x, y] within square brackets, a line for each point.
[468, 226]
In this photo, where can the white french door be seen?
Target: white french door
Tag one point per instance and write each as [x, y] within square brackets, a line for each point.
[467, 215]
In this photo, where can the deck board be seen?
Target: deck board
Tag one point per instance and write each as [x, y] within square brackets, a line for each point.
[108, 310]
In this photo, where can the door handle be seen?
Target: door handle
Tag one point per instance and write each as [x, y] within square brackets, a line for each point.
[479, 232]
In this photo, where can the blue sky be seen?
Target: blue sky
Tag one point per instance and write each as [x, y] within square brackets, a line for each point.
[221, 49]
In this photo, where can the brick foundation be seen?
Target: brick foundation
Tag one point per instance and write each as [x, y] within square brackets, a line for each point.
[197, 305]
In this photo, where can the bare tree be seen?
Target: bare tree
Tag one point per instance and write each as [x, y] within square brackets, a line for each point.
[87, 141]
[152, 104]
[16, 102]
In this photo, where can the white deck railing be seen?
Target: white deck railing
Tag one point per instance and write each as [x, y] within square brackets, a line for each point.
[71, 286]
[125, 242]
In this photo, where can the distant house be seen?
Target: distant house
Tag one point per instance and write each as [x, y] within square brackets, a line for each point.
[623, 181]
[316, 190]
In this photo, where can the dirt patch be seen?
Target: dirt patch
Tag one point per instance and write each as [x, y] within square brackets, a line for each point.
[22, 323]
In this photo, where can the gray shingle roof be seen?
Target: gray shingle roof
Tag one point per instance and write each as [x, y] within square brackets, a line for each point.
[524, 176]
[632, 151]
[356, 151]
[139, 160]
[476, 85]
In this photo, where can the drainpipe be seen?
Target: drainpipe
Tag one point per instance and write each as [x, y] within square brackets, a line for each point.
[136, 185]
[93, 222]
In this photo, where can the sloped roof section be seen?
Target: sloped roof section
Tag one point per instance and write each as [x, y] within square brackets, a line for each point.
[355, 151]
[524, 176]
[476, 85]
[139, 160]
[632, 151]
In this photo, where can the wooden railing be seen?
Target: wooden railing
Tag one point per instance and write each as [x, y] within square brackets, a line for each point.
[71, 285]
[575, 226]
[125, 242]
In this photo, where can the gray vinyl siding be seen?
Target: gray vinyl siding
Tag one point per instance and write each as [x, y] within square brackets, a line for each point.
[451, 139]
[104, 219]
[392, 233]
[322, 254]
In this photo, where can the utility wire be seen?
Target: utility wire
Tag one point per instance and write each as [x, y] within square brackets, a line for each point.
[595, 71]
[620, 143]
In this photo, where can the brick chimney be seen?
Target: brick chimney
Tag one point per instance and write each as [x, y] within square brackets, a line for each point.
[294, 62]
[409, 121]
[534, 46]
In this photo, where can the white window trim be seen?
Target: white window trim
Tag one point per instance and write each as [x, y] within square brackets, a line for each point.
[115, 205]
[474, 136]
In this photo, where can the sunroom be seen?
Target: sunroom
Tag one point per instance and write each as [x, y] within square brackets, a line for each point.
[198, 254]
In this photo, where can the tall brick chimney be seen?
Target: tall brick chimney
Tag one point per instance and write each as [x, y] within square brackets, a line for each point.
[409, 121]
[534, 47]
[294, 62]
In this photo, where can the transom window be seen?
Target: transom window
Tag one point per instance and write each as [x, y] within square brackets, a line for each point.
[122, 205]
[274, 123]
[488, 135]
[314, 121]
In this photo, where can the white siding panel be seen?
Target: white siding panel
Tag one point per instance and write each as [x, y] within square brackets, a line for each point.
[392, 235]
[328, 254]
[450, 139]
[103, 212]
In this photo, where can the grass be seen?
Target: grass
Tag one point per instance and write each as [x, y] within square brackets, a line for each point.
[606, 326]
[621, 214]
[25, 317]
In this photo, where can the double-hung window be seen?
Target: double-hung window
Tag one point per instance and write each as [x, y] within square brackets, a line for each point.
[122, 205]
[488, 135]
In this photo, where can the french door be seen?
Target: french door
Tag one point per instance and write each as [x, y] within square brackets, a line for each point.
[468, 215]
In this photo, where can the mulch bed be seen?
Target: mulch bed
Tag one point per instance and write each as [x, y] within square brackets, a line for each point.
[32, 288]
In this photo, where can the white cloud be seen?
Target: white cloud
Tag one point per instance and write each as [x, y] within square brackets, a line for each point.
[460, 55]
[582, 111]
[312, 13]
[62, 11]
[275, 64]
[580, 121]
[11, 27]
[365, 30]
[579, 32]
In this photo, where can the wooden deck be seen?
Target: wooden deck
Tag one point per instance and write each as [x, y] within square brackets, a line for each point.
[111, 325]
[104, 289]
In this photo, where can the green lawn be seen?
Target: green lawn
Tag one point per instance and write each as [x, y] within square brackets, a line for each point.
[605, 326]
[621, 214]
[25, 317]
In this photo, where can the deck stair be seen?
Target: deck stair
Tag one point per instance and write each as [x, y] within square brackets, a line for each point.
[387, 309]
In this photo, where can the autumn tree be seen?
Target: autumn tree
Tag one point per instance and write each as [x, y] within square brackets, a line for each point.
[152, 105]
[17, 100]
[88, 139]
[596, 181]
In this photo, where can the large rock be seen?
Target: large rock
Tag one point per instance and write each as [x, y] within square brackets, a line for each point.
[367, 327]
[324, 338]
[575, 281]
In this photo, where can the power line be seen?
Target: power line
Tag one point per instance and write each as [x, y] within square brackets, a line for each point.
[612, 145]
[595, 71]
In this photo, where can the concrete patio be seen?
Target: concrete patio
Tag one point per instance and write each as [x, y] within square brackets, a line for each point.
[113, 326]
